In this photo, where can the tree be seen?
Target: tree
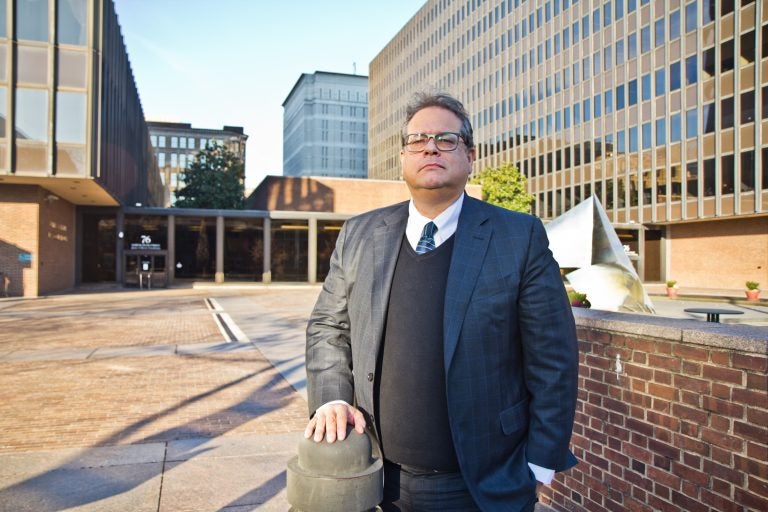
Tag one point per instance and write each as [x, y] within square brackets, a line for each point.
[215, 179]
[504, 186]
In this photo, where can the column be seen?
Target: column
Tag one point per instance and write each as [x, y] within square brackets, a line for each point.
[170, 264]
[312, 252]
[266, 275]
[219, 276]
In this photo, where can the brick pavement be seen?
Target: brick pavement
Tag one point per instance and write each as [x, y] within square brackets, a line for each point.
[133, 401]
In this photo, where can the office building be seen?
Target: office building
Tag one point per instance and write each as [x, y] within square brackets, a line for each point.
[177, 144]
[658, 108]
[74, 145]
[325, 126]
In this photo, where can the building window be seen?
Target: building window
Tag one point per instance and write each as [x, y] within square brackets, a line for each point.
[691, 70]
[632, 46]
[708, 64]
[647, 141]
[691, 123]
[660, 79]
[747, 171]
[692, 180]
[153, 140]
[726, 56]
[726, 113]
[32, 19]
[72, 16]
[646, 86]
[708, 117]
[633, 139]
[748, 48]
[747, 107]
[674, 25]
[675, 128]
[661, 132]
[659, 31]
[632, 92]
[727, 174]
[620, 101]
[690, 17]
[32, 65]
[70, 117]
[645, 39]
[161, 141]
[674, 76]
[31, 114]
[174, 142]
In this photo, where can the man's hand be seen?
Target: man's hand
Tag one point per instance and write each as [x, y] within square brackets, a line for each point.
[330, 420]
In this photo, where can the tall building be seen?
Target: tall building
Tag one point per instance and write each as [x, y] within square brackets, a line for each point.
[74, 145]
[177, 144]
[325, 126]
[660, 109]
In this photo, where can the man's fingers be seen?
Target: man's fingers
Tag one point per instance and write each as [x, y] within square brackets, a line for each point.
[310, 429]
[341, 422]
[356, 417]
[319, 427]
[330, 427]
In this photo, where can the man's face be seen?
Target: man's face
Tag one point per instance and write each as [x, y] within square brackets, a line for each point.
[432, 169]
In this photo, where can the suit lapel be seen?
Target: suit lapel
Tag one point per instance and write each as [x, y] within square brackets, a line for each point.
[473, 234]
[387, 239]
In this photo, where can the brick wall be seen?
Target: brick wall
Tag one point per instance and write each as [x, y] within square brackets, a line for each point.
[743, 244]
[56, 265]
[19, 209]
[680, 425]
[337, 195]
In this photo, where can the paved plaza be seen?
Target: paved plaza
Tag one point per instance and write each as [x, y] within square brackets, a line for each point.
[165, 400]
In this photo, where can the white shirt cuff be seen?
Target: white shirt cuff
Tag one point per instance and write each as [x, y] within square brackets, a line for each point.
[542, 475]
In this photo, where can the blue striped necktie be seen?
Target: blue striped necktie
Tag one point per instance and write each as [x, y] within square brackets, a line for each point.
[427, 240]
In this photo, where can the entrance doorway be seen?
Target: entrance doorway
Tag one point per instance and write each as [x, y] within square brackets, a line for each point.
[98, 262]
[145, 269]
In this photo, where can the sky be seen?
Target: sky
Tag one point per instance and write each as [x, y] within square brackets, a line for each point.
[233, 62]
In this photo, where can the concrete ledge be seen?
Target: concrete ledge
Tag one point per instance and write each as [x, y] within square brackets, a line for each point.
[745, 338]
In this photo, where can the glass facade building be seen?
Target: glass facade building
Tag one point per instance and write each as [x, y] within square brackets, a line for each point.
[658, 108]
[325, 126]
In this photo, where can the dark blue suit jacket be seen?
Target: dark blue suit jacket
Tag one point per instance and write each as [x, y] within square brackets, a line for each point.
[510, 348]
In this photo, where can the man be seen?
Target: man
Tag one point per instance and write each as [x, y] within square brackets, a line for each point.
[444, 328]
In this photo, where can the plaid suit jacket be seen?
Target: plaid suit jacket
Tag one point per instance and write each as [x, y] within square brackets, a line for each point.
[510, 348]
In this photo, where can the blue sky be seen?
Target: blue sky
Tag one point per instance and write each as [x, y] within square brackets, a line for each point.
[233, 62]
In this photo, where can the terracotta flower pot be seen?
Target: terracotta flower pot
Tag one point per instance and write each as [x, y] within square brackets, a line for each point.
[672, 292]
[752, 294]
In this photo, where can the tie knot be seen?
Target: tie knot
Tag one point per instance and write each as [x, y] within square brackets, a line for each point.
[427, 240]
[430, 228]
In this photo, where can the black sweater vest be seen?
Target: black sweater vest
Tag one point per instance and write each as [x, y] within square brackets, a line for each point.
[412, 409]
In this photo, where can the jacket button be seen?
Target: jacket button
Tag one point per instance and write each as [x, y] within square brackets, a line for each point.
[370, 377]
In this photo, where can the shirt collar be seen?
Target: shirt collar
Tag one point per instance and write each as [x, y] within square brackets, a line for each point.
[446, 222]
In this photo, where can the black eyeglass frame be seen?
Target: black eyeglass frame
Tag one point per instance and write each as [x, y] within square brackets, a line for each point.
[437, 137]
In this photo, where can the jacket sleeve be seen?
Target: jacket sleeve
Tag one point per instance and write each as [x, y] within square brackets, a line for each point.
[328, 349]
[550, 354]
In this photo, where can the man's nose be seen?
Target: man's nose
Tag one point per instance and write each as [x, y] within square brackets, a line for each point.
[431, 146]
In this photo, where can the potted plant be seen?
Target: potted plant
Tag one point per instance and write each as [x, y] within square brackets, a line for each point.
[578, 300]
[672, 288]
[753, 290]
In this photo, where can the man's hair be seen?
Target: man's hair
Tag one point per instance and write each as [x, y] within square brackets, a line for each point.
[422, 100]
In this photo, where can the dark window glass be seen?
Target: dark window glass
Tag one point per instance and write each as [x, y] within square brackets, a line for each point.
[631, 5]
[747, 107]
[587, 110]
[726, 113]
[620, 100]
[632, 46]
[726, 7]
[708, 115]
[632, 91]
[748, 48]
[619, 9]
[598, 106]
[726, 174]
[692, 179]
[607, 14]
[708, 64]
[748, 173]
[674, 76]
[765, 102]
[691, 70]
[726, 56]
[765, 41]
[608, 101]
[765, 169]
[709, 177]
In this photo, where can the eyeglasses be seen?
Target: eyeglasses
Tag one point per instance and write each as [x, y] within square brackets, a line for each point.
[445, 141]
